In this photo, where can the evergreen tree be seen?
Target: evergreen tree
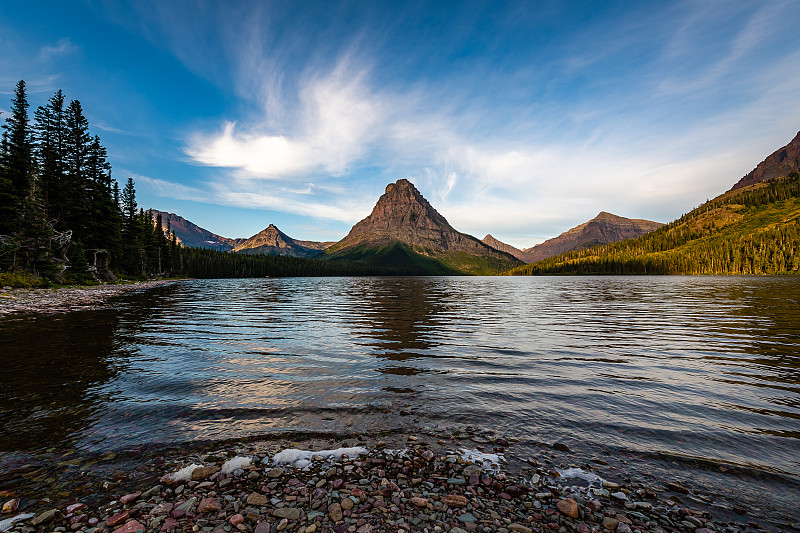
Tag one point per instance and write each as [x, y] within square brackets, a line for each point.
[77, 184]
[50, 138]
[17, 166]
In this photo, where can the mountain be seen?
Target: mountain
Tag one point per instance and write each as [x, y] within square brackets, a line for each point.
[404, 228]
[605, 228]
[503, 247]
[190, 234]
[272, 241]
[781, 162]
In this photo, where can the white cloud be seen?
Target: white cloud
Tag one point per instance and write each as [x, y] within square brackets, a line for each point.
[335, 126]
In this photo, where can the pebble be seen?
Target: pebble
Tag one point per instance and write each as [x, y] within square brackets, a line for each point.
[44, 517]
[335, 512]
[11, 505]
[131, 527]
[204, 472]
[259, 500]
[419, 502]
[118, 518]
[455, 500]
[676, 487]
[209, 505]
[289, 513]
[128, 498]
[275, 472]
[568, 507]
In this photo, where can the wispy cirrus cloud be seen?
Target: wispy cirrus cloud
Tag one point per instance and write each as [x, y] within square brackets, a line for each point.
[63, 47]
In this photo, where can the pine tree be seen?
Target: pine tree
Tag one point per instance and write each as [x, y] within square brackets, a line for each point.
[50, 138]
[76, 194]
[131, 236]
[17, 166]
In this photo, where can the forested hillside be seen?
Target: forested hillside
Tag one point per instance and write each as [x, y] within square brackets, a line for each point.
[755, 230]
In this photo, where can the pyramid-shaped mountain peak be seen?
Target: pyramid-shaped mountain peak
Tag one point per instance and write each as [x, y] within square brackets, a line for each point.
[402, 215]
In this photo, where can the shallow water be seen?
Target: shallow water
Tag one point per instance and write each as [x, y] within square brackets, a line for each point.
[678, 375]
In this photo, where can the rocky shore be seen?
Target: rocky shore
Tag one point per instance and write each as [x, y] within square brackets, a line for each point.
[408, 484]
[64, 299]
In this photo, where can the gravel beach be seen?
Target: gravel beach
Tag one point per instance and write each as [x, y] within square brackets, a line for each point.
[407, 484]
[64, 299]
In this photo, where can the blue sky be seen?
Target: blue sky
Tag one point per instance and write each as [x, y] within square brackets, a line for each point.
[519, 119]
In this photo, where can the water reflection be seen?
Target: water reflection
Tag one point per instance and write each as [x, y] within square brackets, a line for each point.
[50, 375]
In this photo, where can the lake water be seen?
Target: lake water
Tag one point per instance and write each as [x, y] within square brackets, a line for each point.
[694, 379]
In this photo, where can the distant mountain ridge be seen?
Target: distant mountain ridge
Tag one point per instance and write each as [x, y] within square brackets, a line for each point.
[503, 247]
[190, 234]
[403, 218]
[781, 162]
[605, 228]
[272, 241]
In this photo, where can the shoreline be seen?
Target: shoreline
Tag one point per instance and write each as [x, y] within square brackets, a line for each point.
[22, 302]
[409, 483]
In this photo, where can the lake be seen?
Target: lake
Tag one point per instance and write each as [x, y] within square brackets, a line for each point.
[693, 379]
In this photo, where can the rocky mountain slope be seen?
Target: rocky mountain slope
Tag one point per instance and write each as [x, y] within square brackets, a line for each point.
[404, 226]
[272, 241]
[605, 228]
[190, 234]
[503, 247]
[781, 162]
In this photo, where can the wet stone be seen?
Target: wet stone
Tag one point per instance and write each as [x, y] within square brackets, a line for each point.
[128, 498]
[676, 487]
[610, 523]
[131, 527]
[44, 517]
[11, 505]
[118, 518]
[568, 507]
[204, 472]
[275, 472]
[623, 528]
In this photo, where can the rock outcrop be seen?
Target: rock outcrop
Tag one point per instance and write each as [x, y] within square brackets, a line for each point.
[780, 163]
[605, 228]
[272, 241]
